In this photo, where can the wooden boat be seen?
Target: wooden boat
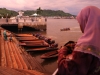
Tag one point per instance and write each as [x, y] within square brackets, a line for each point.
[34, 44]
[27, 38]
[34, 41]
[42, 49]
[65, 29]
[23, 35]
[50, 54]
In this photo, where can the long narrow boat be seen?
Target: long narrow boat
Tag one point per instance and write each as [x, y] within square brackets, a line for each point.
[23, 35]
[34, 41]
[26, 38]
[42, 49]
[65, 29]
[50, 54]
[28, 45]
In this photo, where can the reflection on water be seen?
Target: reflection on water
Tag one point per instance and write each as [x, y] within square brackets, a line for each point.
[61, 37]
[48, 61]
[49, 64]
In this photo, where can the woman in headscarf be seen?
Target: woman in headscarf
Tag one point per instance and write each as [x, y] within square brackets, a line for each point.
[85, 59]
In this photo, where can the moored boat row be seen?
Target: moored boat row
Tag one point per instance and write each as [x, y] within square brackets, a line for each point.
[37, 42]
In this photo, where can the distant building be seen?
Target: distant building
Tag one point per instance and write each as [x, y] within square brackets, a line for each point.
[20, 13]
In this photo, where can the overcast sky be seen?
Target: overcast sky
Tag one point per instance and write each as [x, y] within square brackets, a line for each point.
[68, 6]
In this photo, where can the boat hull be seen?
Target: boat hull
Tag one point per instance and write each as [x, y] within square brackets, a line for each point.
[41, 49]
[51, 54]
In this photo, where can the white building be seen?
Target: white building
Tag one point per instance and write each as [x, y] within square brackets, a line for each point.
[20, 13]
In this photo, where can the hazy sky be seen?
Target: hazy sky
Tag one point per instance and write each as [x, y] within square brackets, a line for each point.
[68, 6]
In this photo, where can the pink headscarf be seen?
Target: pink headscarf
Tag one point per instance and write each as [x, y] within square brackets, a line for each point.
[89, 20]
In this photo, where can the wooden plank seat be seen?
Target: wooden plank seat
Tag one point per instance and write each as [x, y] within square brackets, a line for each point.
[23, 35]
[11, 71]
[27, 37]
[2, 53]
[34, 64]
[35, 41]
[28, 45]
[13, 56]
[22, 64]
[41, 49]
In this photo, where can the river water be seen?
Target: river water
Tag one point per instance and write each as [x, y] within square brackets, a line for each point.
[60, 37]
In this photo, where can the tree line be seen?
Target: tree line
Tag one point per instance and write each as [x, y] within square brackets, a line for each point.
[46, 13]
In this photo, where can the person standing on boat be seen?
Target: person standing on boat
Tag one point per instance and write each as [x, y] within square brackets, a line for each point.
[85, 59]
[10, 38]
[5, 35]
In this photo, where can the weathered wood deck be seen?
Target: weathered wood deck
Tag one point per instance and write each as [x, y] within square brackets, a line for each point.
[14, 60]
